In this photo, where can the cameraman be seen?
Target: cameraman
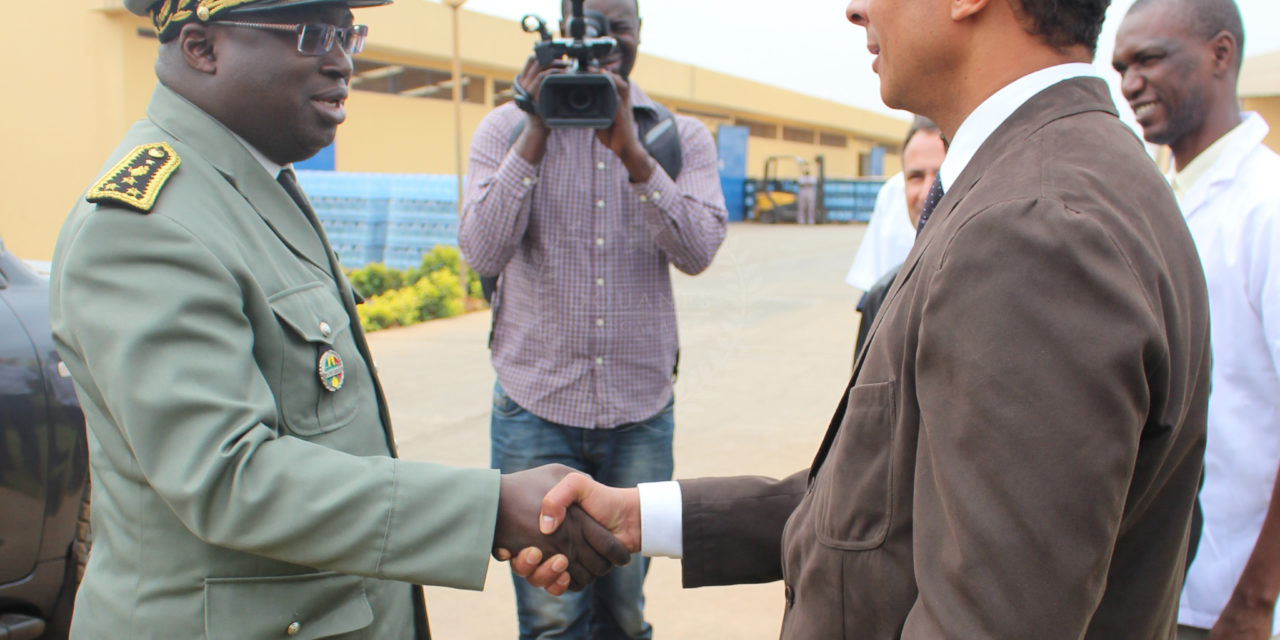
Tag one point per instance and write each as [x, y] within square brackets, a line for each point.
[582, 225]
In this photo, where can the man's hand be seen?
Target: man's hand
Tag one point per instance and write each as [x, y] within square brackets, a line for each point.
[583, 547]
[622, 139]
[1241, 620]
[532, 142]
[617, 509]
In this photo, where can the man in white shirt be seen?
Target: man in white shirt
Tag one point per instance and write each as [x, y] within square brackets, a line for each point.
[922, 153]
[1018, 451]
[888, 237]
[1179, 62]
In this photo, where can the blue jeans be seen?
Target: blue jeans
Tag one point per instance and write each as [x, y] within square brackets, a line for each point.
[613, 606]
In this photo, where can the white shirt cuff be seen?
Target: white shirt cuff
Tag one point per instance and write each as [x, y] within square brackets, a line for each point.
[661, 519]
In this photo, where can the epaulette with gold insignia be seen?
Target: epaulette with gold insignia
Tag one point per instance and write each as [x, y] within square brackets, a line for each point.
[136, 180]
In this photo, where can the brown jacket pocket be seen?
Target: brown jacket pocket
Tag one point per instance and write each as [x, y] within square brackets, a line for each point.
[852, 493]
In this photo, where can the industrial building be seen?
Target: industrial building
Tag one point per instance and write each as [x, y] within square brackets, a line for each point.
[88, 76]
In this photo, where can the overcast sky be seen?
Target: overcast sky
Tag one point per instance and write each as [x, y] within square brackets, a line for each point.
[807, 46]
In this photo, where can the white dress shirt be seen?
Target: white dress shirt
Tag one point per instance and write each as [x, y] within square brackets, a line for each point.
[888, 239]
[1233, 211]
[661, 503]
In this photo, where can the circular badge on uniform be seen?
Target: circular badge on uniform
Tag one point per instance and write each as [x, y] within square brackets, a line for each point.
[330, 370]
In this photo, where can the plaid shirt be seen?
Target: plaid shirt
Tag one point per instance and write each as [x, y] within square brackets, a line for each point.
[585, 327]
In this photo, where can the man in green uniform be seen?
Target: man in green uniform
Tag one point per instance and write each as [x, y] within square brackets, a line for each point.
[244, 479]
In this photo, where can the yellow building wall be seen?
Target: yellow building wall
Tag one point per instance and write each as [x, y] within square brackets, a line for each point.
[1269, 109]
[393, 134]
[82, 75]
[70, 107]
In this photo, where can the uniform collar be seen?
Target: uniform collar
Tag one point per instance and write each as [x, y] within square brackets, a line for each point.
[203, 134]
[272, 168]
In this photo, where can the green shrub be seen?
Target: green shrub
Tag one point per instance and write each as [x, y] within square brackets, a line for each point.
[439, 294]
[439, 257]
[376, 279]
[449, 259]
[396, 308]
[401, 298]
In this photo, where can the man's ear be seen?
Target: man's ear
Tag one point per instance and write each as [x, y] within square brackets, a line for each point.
[195, 41]
[962, 9]
[1225, 52]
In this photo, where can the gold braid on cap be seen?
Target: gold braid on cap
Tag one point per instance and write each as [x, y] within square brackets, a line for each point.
[170, 15]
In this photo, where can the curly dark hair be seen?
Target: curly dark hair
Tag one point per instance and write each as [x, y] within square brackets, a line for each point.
[1065, 23]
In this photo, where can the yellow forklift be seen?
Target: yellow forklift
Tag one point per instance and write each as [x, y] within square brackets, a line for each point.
[775, 197]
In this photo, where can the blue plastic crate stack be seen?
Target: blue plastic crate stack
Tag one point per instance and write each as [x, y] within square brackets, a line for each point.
[380, 217]
[422, 213]
[851, 200]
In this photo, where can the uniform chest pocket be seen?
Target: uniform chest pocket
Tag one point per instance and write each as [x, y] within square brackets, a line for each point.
[319, 377]
[320, 605]
[853, 491]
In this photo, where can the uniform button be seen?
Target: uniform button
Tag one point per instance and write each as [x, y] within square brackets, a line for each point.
[599, 322]
[599, 360]
[325, 329]
[599, 242]
[790, 595]
[599, 283]
[656, 196]
[600, 166]
[599, 204]
[528, 182]
[644, 198]
[293, 628]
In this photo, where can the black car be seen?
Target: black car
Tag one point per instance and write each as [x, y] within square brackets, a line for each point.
[44, 465]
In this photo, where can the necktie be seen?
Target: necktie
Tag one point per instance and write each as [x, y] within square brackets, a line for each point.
[290, 183]
[930, 202]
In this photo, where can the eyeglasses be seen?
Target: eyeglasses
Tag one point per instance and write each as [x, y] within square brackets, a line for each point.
[315, 38]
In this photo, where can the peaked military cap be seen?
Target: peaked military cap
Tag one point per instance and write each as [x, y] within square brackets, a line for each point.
[170, 15]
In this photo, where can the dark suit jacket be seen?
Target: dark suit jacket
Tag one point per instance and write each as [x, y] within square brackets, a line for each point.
[1019, 448]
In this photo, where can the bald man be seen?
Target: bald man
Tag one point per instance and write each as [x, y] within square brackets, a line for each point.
[1179, 61]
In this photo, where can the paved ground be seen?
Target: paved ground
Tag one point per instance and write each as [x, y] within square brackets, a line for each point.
[767, 336]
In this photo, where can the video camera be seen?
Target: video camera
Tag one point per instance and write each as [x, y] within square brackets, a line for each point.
[580, 97]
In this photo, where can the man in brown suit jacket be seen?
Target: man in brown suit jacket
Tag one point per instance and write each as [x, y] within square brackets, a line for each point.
[1018, 451]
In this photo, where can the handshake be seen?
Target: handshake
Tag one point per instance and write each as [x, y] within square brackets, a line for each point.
[569, 529]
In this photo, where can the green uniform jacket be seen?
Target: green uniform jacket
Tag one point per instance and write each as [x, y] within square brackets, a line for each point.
[233, 495]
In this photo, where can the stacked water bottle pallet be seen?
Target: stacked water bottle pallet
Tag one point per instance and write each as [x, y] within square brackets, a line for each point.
[422, 213]
[851, 200]
[379, 217]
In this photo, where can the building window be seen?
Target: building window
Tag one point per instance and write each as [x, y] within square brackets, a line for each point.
[798, 134]
[414, 82]
[757, 129]
[503, 92]
[833, 140]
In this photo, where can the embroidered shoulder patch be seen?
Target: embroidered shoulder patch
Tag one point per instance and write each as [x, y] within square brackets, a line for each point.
[136, 180]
